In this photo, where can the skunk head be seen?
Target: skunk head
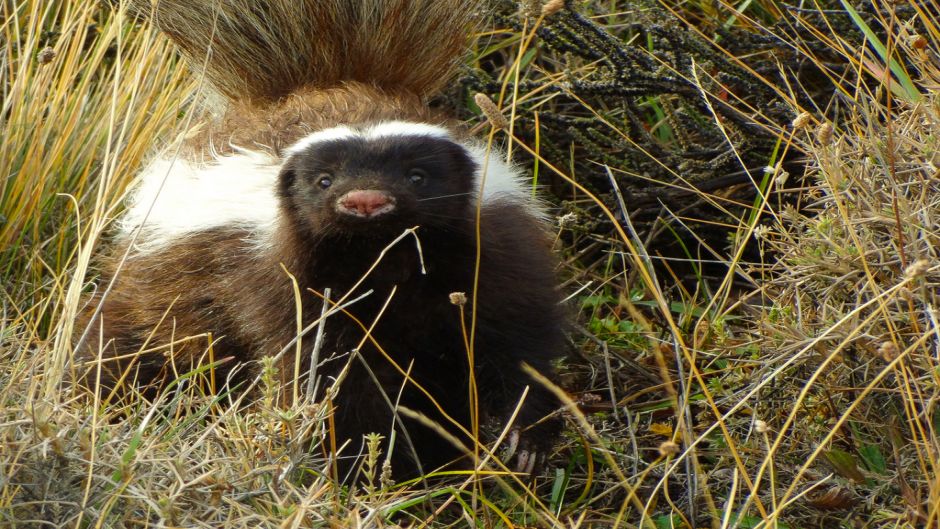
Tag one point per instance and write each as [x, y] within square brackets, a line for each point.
[369, 186]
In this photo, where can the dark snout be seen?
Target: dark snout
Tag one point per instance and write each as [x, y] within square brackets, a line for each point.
[365, 203]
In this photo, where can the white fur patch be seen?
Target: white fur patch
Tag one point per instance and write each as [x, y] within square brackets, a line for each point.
[174, 198]
[405, 128]
[320, 136]
[380, 130]
[177, 197]
[503, 181]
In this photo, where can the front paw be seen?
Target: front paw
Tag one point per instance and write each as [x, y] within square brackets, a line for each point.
[526, 450]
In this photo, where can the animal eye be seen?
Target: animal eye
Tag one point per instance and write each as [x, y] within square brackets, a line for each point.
[417, 176]
[325, 181]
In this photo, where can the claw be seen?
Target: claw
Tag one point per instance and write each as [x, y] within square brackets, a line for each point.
[514, 437]
[523, 461]
[533, 457]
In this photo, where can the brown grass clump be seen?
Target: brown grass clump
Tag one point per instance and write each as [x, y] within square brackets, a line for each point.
[854, 318]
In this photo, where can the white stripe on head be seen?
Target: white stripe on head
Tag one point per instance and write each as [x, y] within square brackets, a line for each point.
[320, 136]
[174, 198]
[405, 128]
[385, 129]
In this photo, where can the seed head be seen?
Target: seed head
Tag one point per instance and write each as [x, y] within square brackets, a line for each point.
[824, 133]
[458, 298]
[491, 111]
[917, 269]
[385, 478]
[801, 121]
[918, 42]
[668, 448]
[552, 7]
[888, 351]
[45, 55]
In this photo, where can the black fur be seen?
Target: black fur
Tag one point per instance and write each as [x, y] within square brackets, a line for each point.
[518, 314]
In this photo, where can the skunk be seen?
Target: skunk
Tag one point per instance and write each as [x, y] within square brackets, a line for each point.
[328, 171]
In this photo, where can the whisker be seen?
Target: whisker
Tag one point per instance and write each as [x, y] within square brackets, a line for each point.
[444, 196]
[445, 217]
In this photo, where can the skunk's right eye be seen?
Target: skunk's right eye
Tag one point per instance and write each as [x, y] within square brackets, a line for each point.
[416, 176]
[325, 181]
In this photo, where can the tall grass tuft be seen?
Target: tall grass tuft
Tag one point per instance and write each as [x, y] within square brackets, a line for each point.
[87, 94]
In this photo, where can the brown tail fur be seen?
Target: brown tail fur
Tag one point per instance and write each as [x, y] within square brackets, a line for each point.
[259, 51]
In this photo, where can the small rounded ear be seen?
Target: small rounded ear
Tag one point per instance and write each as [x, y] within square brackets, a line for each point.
[285, 180]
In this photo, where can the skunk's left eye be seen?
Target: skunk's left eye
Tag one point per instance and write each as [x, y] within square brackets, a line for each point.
[325, 180]
[417, 176]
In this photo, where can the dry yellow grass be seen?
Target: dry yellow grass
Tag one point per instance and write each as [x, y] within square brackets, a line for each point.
[811, 400]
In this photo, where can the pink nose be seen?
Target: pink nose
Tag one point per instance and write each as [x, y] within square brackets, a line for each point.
[366, 203]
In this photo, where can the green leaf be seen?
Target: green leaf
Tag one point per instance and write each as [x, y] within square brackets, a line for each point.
[845, 465]
[668, 522]
[527, 58]
[128, 457]
[910, 92]
[596, 300]
[733, 19]
[873, 459]
[558, 489]
[749, 522]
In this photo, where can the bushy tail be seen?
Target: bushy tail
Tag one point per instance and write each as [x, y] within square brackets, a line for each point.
[266, 49]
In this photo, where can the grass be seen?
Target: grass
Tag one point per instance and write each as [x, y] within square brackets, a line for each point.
[796, 388]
